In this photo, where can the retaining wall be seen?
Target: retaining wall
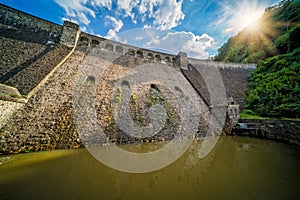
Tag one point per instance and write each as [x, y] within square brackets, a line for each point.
[281, 130]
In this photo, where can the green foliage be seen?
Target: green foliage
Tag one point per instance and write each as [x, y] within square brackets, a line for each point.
[278, 32]
[118, 95]
[274, 88]
[14, 95]
[133, 98]
[289, 41]
[244, 115]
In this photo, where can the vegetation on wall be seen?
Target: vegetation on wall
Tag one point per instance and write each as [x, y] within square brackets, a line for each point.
[273, 41]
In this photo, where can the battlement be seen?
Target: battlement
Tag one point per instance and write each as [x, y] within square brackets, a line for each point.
[124, 49]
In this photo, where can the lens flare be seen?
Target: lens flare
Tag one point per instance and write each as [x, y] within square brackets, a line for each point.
[249, 19]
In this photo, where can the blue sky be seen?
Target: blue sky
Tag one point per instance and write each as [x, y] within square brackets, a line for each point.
[198, 27]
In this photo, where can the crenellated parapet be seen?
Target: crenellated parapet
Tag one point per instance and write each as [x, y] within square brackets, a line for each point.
[124, 49]
[181, 60]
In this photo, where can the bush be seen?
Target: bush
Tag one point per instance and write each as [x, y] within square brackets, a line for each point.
[274, 87]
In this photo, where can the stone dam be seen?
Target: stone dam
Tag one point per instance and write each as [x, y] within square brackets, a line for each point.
[41, 63]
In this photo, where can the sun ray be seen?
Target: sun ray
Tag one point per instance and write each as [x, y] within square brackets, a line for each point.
[238, 14]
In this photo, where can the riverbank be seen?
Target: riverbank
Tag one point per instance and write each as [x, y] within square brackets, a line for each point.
[287, 131]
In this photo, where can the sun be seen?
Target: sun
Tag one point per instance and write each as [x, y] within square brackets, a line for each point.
[241, 14]
[248, 18]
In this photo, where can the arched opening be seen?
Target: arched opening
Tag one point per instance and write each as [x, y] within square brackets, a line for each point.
[95, 43]
[167, 59]
[139, 54]
[131, 52]
[150, 56]
[174, 60]
[157, 58]
[84, 40]
[90, 79]
[119, 49]
[109, 47]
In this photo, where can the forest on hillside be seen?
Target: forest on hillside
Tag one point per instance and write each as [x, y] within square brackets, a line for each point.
[273, 41]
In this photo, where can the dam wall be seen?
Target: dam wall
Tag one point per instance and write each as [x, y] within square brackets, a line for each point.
[42, 60]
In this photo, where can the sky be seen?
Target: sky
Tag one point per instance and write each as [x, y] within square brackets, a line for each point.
[198, 27]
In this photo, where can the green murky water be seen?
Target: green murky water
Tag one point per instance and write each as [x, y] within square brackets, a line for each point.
[237, 168]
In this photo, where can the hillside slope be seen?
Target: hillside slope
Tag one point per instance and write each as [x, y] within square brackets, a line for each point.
[274, 87]
[276, 32]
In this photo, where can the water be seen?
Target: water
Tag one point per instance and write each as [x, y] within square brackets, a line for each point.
[237, 168]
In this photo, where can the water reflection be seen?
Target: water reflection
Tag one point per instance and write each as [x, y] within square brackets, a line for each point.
[237, 168]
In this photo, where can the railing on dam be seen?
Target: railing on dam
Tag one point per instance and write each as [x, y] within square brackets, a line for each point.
[124, 49]
[149, 55]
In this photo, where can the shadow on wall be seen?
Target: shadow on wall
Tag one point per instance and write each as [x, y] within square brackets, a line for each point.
[24, 65]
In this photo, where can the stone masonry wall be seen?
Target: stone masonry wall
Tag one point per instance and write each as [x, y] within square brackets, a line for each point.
[29, 48]
[30, 76]
[89, 40]
[234, 76]
[70, 34]
[236, 83]
[7, 109]
[281, 130]
[46, 120]
[19, 19]
[15, 53]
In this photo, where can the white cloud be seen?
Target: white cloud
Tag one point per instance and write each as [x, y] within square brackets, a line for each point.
[196, 46]
[139, 38]
[76, 10]
[115, 23]
[163, 14]
[127, 6]
[169, 14]
[83, 18]
[102, 3]
[147, 26]
[116, 26]
[112, 35]
[83, 29]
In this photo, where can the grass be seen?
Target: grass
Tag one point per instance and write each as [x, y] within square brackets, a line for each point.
[286, 118]
[14, 95]
[244, 115]
[250, 116]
